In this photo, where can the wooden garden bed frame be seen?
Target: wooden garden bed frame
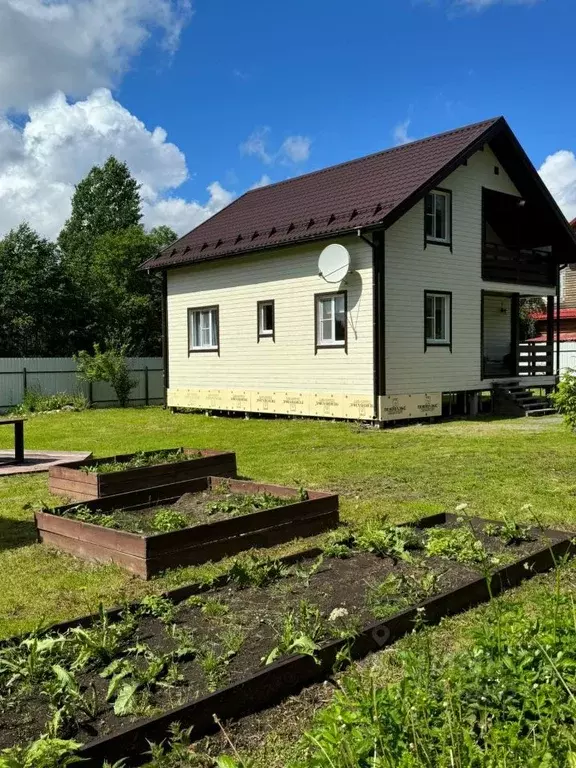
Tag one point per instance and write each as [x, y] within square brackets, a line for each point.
[71, 481]
[147, 555]
[289, 676]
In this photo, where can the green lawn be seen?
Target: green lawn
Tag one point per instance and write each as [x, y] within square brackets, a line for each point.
[496, 466]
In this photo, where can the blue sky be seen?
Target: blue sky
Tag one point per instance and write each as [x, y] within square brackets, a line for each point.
[346, 75]
[244, 93]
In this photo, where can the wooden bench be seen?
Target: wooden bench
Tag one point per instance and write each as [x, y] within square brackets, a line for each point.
[18, 424]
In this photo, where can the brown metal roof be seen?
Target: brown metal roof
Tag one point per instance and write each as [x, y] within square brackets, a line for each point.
[356, 194]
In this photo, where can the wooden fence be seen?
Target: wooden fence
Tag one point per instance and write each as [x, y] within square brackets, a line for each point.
[50, 375]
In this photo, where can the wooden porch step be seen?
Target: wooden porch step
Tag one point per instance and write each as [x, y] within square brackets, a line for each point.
[541, 412]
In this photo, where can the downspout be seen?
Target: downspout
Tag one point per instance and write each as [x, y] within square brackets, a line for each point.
[558, 297]
[378, 360]
[165, 367]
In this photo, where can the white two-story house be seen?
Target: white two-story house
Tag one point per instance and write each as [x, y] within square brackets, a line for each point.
[441, 239]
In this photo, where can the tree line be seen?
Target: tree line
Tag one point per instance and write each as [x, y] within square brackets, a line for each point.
[57, 298]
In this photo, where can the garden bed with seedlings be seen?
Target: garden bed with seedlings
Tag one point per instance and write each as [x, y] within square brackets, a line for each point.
[185, 523]
[97, 478]
[263, 630]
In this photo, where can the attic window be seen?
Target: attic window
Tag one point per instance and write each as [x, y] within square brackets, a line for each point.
[438, 217]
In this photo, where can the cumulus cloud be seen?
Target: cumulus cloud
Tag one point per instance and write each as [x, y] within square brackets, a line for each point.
[400, 133]
[41, 163]
[75, 46]
[481, 5]
[558, 172]
[294, 149]
[263, 181]
[255, 145]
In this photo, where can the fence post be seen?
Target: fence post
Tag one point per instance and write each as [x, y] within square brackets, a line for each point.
[146, 397]
[25, 377]
[90, 394]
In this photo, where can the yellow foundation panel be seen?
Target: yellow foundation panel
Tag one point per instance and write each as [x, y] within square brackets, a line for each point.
[331, 405]
[410, 406]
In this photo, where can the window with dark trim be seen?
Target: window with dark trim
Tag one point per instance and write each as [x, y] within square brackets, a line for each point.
[331, 319]
[265, 310]
[203, 329]
[438, 217]
[437, 319]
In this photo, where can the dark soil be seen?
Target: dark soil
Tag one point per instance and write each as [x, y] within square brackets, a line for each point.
[241, 626]
[198, 508]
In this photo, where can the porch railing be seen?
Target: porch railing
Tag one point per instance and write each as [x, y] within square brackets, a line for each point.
[517, 265]
[535, 358]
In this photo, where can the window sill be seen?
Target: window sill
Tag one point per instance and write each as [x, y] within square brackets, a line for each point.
[445, 243]
[195, 350]
[337, 345]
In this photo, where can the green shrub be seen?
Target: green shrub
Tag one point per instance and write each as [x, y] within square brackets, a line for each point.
[564, 399]
[35, 401]
[109, 366]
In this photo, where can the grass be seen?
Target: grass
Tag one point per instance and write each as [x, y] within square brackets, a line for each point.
[495, 466]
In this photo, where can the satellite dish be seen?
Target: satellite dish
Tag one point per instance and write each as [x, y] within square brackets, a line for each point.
[334, 263]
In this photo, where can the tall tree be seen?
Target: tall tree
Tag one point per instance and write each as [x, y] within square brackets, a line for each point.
[106, 201]
[35, 298]
[129, 299]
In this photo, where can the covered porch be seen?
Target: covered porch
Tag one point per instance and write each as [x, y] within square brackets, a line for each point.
[506, 351]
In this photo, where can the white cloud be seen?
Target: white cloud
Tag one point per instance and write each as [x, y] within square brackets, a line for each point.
[263, 181]
[294, 149]
[255, 145]
[400, 132]
[481, 5]
[41, 163]
[559, 174]
[75, 46]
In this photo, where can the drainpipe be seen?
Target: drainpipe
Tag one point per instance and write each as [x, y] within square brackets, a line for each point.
[378, 315]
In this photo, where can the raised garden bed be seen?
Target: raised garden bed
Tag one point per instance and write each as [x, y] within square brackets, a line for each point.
[169, 526]
[202, 650]
[108, 476]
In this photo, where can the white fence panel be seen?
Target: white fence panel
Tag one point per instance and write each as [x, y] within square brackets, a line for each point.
[50, 375]
[567, 355]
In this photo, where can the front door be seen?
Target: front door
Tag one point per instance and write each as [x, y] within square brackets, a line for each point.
[497, 326]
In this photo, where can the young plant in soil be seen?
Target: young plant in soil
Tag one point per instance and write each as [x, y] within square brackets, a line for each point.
[300, 632]
[141, 459]
[509, 531]
[458, 544]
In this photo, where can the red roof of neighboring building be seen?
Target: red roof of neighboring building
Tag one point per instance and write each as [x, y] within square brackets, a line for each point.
[573, 223]
[565, 336]
[565, 314]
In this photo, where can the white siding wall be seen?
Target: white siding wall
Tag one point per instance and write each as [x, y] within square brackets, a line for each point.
[290, 363]
[412, 269]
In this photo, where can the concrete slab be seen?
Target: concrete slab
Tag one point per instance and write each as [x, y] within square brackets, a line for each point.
[37, 461]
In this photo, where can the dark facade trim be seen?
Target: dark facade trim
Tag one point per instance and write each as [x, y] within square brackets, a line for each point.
[515, 332]
[430, 241]
[259, 334]
[215, 351]
[165, 364]
[445, 344]
[379, 316]
[317, 297]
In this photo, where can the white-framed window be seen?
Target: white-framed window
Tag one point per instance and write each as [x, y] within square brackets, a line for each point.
[203, 334]
[265, 319]
[438, 217]
[438, 318]
[331, 320]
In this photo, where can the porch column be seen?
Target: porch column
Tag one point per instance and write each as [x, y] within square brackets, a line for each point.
[550, 332]
[515, 340]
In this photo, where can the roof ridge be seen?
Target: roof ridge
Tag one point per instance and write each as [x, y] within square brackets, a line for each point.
[389, 150]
